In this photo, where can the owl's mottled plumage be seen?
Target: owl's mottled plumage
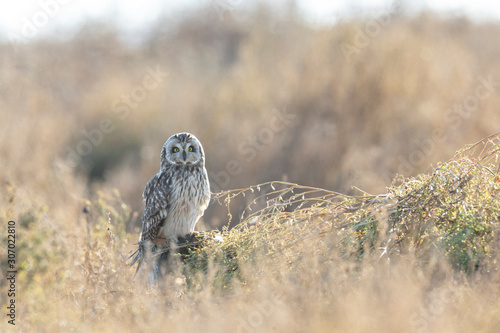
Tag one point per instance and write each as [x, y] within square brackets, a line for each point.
[176, 197]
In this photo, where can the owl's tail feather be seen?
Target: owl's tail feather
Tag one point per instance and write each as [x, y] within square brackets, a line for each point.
[137, 256]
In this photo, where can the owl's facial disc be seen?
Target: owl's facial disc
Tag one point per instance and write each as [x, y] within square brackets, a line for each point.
[182, 149]
[185, 153]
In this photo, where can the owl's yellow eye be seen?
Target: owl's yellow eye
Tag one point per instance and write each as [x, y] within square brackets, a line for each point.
[190, 148]
[176, 150]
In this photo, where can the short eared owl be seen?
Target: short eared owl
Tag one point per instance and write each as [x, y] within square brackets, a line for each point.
[176, 197]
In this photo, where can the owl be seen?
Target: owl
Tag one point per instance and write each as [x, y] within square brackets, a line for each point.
[177, 196]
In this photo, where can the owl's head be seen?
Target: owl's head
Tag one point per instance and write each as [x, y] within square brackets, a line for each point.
[182, 149]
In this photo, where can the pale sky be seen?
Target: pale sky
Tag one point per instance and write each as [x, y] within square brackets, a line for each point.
[47, 16]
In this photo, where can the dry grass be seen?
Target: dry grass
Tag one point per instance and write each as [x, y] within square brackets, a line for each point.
[422, 256]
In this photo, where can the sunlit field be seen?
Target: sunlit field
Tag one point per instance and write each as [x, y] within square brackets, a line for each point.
[373, 141]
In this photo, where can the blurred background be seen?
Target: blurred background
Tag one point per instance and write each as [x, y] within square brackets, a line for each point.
[335, 96]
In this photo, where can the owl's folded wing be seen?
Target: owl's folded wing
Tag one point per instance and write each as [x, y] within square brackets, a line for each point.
[156, 197]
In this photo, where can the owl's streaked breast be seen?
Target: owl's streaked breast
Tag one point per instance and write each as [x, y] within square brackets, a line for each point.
[188, 201]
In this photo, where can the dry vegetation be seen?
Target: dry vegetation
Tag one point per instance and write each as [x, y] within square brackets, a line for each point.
[423, 256]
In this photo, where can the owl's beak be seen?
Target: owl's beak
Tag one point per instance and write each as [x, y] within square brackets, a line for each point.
[184, 155]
